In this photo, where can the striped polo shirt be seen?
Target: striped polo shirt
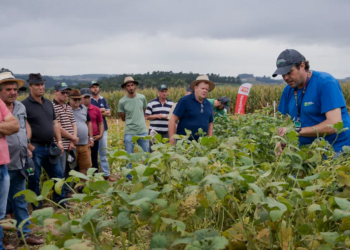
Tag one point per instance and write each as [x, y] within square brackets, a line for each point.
[65, 116]
[155, 107]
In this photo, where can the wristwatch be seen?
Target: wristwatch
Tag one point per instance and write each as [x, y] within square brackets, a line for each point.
[59, 142]
[28, 140]
[298, 130]
[91, 138]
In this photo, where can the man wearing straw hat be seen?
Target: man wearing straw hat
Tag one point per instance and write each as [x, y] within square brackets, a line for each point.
[193, 111]
[18, 149]
[132, 109]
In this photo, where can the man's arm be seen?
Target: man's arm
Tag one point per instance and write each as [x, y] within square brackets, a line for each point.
[75, 133]
[101, 129]
[105, 113]
[210, 129]
[9, 125]
[122, 115]
[57, 130]
[332, 117]
[29, 136]
[172, 128]
[153, 117]
[91, 142]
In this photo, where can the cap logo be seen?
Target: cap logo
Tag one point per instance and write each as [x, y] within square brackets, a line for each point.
[163, 86]
[64, 84]
[280, 61]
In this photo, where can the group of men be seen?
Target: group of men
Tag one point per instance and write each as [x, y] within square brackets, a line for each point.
[59, 135]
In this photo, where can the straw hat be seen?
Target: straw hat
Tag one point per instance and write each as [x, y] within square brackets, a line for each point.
[8, 77]
[129, 79]
[203, 78]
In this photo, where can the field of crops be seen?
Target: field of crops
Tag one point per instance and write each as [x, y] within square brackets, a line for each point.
[259, 95]
[229, 191]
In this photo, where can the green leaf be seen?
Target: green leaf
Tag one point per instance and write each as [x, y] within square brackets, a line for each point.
[79, 175]
[257, 190]
[276, 215]
[42, 214]
[161, 202]
[91, 214]
[49, 247]
[91, 171]
[305, 229]
[29, 195]
[195, 174]
[159, 240]
[344, 204]
[313, 207]
[179, 157]
[253, 198]
[246, 161]
[220, 191]
[338, 126]
[61, 217]
[100, 186]
[47, 186]
[175, 224]
[205, 233]
[182, 241]
[330, 237]
[340, 214]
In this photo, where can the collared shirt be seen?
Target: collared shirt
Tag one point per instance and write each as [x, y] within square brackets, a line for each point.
[101, 103]
[40, 117]
[65, 117]
[18, 142]
[4, 149]
[82, 116]
[193, 115]
[96, 118]
[218, 112]
[323, 93]
[155, 107]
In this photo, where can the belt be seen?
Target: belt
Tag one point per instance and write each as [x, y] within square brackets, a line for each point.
[41, 144]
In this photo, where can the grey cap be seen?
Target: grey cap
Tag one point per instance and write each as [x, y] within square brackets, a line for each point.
[189, 89]
[224, 101]
[286, 60]
[85, 92]
[162, 86]
[62, 86]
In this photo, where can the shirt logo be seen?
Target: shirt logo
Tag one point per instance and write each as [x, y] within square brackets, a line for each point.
[308, 104]
[245, 89]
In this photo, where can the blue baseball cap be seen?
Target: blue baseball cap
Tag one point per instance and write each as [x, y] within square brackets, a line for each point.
[286, 60]
[92, 83]
[62, 86]
[85, 92]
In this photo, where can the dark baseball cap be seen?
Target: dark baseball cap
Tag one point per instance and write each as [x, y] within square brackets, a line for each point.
[62, 86]
[85, 92]
[92, 83]
[286, 60]
[189, 89]
[162, 86]
[224, 101]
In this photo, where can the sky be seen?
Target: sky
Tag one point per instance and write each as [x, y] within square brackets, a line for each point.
[224, 37]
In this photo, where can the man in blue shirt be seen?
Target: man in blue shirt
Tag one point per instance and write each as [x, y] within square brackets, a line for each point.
[193, 111]
[313, 99]
[101, 103]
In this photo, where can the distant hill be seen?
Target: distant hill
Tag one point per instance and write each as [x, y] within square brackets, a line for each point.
[84, 77]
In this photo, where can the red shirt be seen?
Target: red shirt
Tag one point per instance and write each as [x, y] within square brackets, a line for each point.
[4, 148]
[96, 118]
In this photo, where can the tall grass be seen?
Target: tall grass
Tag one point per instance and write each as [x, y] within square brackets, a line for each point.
[259, 95]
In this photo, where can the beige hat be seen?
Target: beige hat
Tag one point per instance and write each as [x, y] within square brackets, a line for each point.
[203, 78]
[7, 77]
[129, 79]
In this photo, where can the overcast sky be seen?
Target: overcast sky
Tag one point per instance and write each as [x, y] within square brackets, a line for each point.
[71, 37]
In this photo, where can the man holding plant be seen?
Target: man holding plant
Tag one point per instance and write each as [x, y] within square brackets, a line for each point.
[193, 111]
[313, 99]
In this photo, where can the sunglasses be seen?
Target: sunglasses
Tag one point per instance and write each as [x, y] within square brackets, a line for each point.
[64, 92]
[76, 99]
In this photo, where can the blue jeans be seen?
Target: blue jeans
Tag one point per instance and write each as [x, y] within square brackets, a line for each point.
[41, 159]
[129, 146]
[18, 206]
[102, 150]
[4, 191]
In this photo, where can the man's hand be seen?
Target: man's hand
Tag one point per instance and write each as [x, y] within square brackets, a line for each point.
[91, 143]
[71, 146]
[162, 116]
[1, 135]
[30, 147]
[281, 131]
[75, 140]
[172, 141]
[98, 137]
[30, 154]
[61, 147]
[279, 148]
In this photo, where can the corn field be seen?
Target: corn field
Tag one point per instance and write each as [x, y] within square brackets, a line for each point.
[259, 96]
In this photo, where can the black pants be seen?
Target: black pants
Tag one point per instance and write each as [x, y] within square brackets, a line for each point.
[94, 155]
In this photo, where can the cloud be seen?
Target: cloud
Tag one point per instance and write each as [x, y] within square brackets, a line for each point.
[226, 37]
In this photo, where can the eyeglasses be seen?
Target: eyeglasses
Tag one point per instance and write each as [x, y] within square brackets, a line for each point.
[64, 93]
[76, 99]
[202, 108]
